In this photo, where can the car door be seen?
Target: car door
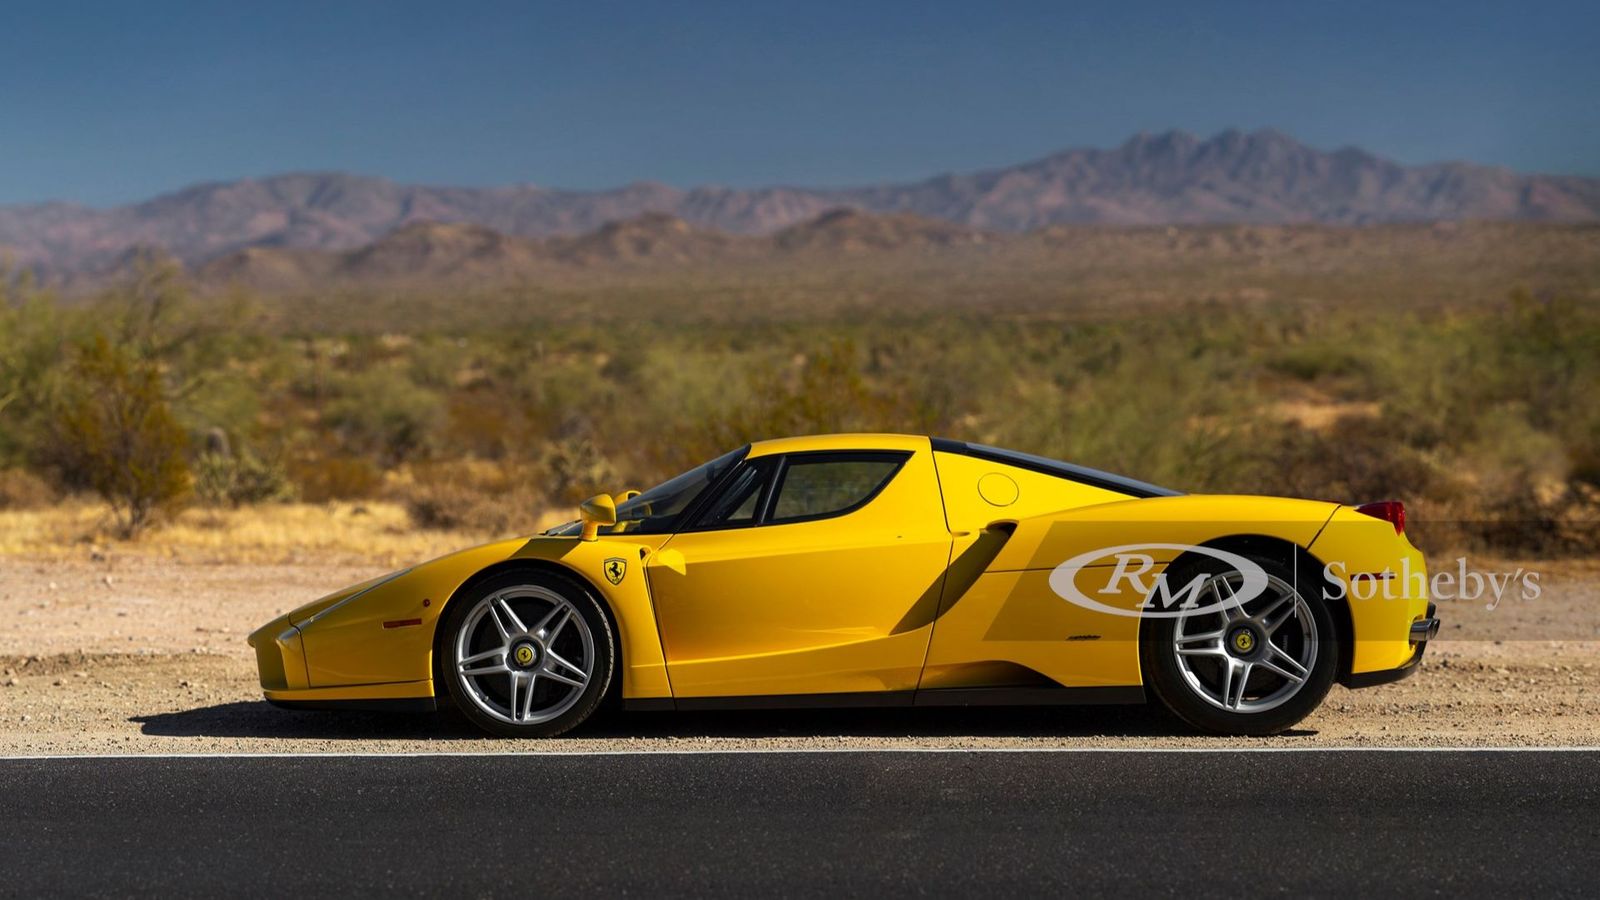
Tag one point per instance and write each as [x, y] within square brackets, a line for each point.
[808, 573]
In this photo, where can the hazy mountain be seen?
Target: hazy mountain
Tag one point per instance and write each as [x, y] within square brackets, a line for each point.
[652, 238]
[1262, 177]
[847, 230]
[430, 253]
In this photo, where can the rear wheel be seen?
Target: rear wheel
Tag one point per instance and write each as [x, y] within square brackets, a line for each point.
[1252, 666]
[527, 655]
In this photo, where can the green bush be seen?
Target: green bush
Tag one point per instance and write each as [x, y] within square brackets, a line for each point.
[118, 435]
[576, 469]
[225, 479]
[1312, 362]
[382, 412]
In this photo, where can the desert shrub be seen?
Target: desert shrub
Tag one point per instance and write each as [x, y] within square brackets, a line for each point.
[481, 497]
[383, 412]
[1310, 362]
[33, 329]
[117, 435]
[625, 367]
[235, 479]
[1584, 456]
[319, 479]
[21, 489]
[1546, 354]
[1514, 515]
[489, 424]
[1144, 402]
[1356, 460]
[436, 362]
[575, 469]
[559, 396]
[815, 391]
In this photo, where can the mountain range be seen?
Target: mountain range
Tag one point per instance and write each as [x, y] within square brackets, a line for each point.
[1261, 177]
[430, 254]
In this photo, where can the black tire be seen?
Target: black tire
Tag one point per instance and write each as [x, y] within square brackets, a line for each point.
[1159, 659]
[586, 605]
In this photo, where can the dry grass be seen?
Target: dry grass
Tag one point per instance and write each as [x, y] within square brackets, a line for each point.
[358, 533]
[1322, 415]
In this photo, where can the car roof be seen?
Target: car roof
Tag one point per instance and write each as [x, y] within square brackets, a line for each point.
[839, 442]
[1082, 474]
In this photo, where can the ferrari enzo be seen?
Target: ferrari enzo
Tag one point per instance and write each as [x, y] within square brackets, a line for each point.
[878, 569]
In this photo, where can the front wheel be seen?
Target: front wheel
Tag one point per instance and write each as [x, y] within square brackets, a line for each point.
[1248, 666]
[527, 655]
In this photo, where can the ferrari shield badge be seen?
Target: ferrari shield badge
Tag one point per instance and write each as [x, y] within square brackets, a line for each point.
[616, 567]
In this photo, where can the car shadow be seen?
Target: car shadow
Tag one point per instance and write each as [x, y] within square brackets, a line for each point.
[981, 722]
[258, 719]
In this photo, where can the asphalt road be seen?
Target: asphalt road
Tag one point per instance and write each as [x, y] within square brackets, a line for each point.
[1317, 822]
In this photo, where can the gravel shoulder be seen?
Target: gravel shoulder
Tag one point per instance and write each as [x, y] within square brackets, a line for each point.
[129, 653]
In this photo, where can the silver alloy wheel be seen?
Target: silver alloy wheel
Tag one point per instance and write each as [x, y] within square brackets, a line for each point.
[524, 655]
[1247, 657]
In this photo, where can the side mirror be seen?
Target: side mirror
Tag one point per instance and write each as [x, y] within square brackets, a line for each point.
[627, 495]
[596, 511]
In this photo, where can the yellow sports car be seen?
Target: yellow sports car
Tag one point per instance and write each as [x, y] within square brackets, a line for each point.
[880, 569]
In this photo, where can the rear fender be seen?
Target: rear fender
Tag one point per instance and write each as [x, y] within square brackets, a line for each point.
[1044, 542]
[1012, 616]
[1383, 580]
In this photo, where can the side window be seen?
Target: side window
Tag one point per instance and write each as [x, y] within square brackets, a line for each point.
[814, 486]
[743, 500]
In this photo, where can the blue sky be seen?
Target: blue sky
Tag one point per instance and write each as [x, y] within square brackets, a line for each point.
[113, 102]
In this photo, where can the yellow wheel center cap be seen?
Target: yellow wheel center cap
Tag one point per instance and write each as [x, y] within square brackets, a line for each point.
[524, 655]
[1244, 641]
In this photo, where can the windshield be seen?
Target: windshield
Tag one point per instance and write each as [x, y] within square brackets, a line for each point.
[656, 510]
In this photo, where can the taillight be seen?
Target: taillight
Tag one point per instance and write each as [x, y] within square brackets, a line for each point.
[1391, 511]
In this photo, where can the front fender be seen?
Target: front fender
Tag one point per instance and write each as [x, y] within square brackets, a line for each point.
[383, 633]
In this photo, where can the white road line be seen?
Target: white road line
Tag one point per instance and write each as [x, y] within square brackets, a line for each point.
[775, 751]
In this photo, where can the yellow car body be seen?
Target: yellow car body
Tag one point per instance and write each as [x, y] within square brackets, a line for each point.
[937, 589]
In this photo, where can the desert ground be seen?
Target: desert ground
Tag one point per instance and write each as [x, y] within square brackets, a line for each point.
[140, 648]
